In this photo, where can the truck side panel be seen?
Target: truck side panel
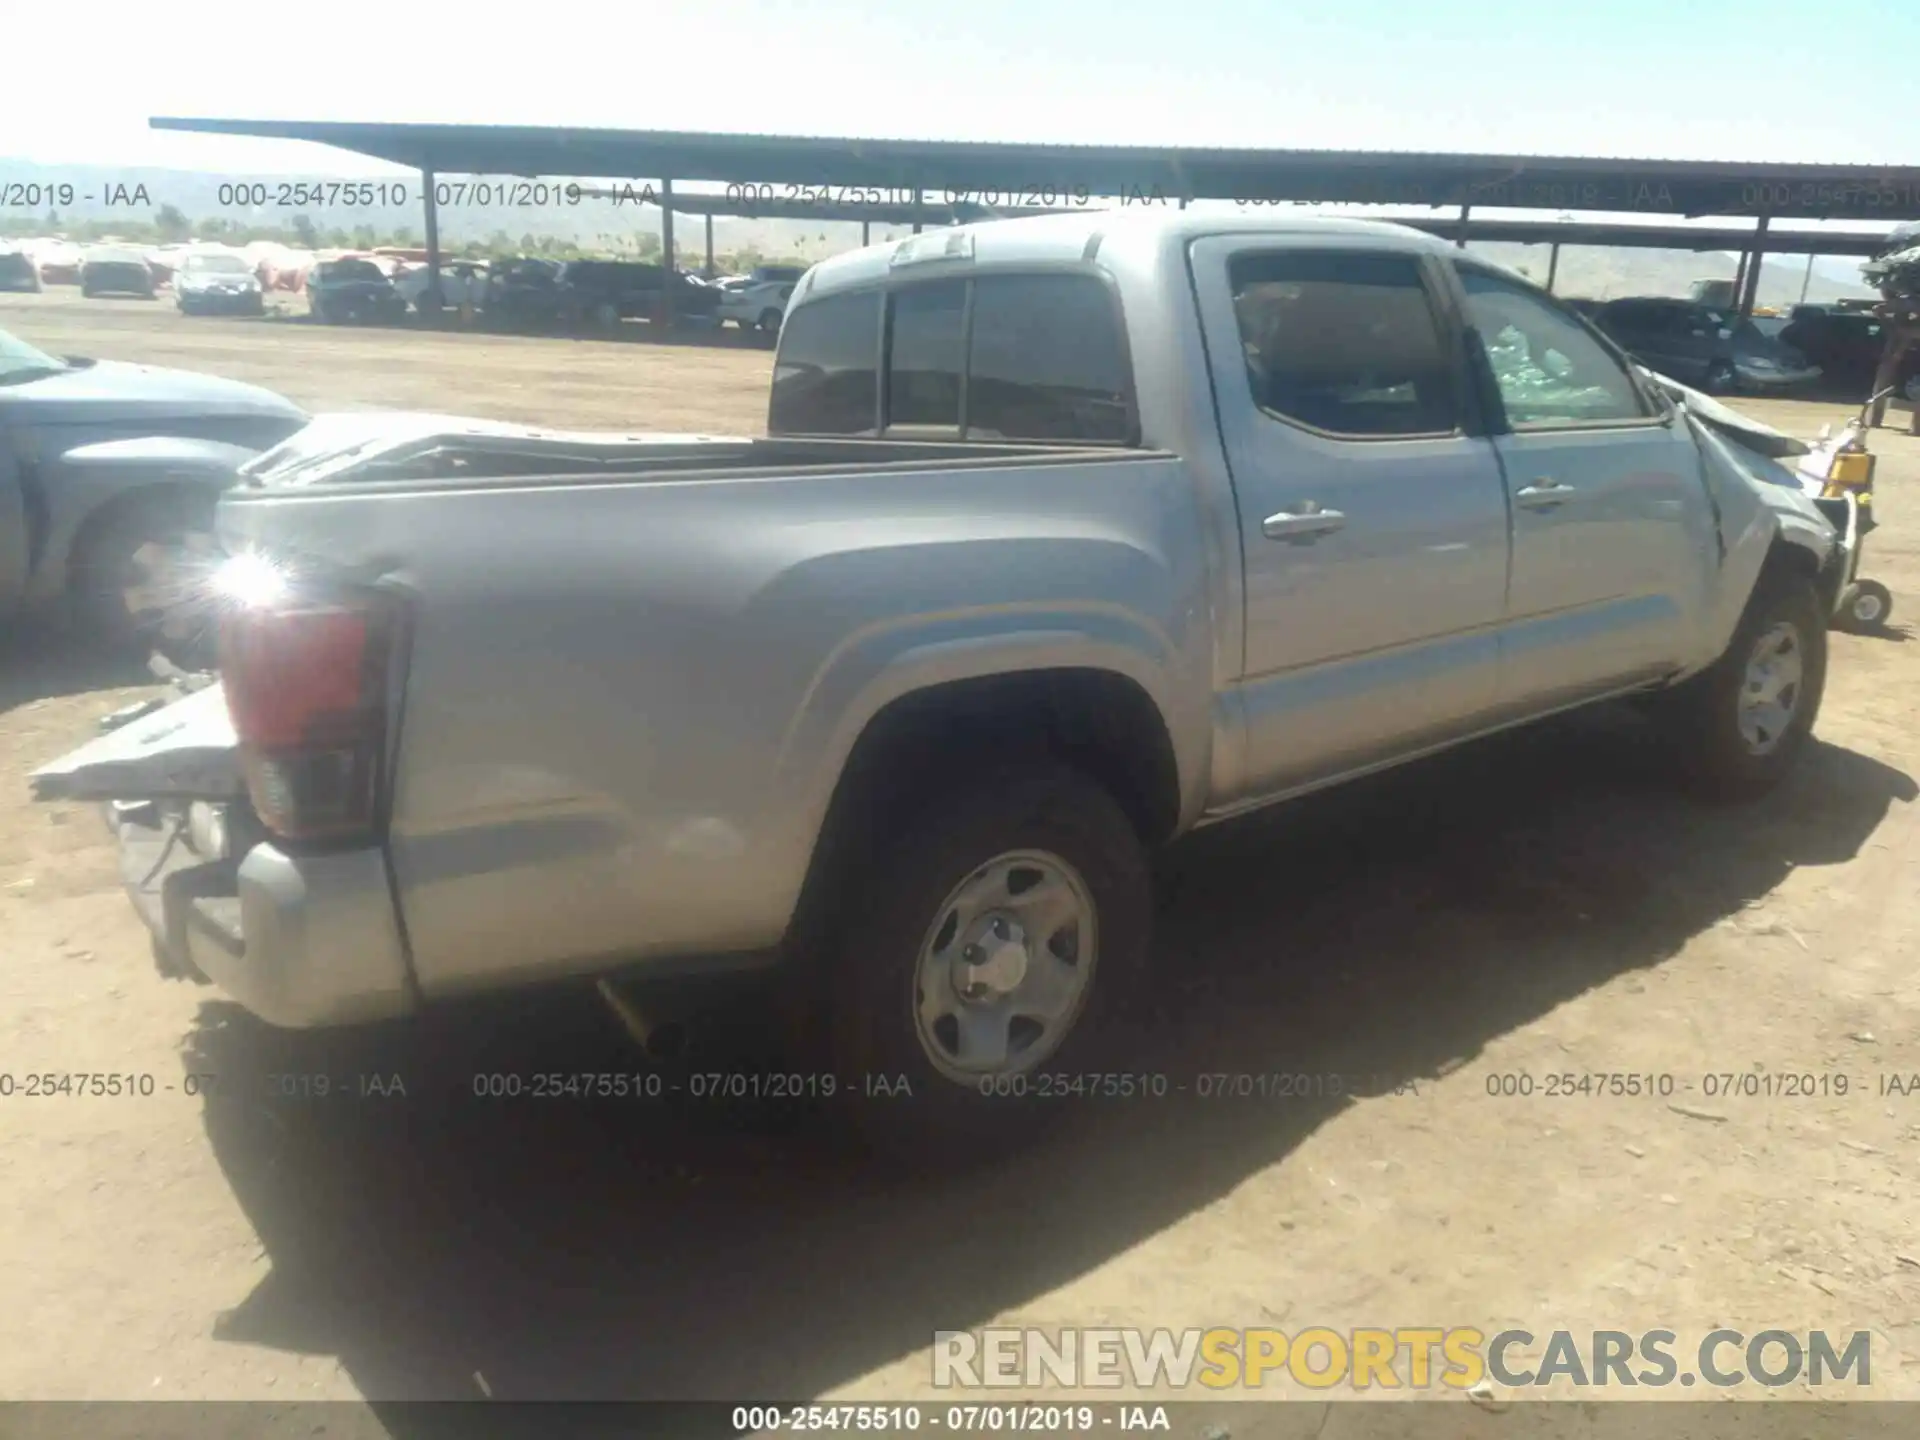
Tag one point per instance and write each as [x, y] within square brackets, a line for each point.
[626, 720]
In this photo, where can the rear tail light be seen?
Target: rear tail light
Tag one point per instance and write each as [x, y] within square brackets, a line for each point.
[306, 684]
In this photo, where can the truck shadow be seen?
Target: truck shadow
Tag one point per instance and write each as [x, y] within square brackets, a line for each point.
[42, 662]
[444, 1246]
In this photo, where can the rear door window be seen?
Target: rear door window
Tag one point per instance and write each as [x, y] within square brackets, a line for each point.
[1047, 361]
[825, 381]
[1345, 343]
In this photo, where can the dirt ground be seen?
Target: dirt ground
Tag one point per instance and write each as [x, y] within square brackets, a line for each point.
[1540, 904]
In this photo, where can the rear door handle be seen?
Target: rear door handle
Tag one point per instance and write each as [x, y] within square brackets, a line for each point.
[1303, 526]
[1543, 494]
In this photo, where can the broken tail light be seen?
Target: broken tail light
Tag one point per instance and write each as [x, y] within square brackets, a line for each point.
[306, 683]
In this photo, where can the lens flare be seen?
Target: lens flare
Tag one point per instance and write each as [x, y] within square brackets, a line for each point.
[249, 580]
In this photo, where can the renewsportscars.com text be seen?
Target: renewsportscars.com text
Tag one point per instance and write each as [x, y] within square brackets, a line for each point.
[1418, 1358]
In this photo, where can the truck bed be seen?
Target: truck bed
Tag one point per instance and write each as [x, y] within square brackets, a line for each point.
[411, 450]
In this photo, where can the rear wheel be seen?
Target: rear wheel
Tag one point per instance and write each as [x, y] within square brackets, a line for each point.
[994, 943]
[1739, 725]
[770, 321]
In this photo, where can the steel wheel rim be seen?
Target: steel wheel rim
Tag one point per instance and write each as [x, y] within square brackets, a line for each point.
[1770, 690]
[1867, 607]
[1005, 968]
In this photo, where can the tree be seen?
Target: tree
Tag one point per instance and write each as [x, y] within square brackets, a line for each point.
[172, 225]
[305, 233]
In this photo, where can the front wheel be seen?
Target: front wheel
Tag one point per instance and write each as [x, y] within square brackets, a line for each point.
[1739, 725]
[770, 321]
[1720, 378]
[1865, 607]
[986, 955]
[136, 576]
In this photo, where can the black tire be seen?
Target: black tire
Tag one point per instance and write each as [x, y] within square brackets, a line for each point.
[108, 563]
[1702, 715]
[770, 321]
[1720, 378]
[871, 1033]
[1865, 608]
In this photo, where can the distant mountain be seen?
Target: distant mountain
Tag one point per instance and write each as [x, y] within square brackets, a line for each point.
[36, 198]
[1608, 274]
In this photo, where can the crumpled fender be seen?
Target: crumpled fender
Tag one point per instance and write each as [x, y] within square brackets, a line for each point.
[1757, 501]
[1751, 434]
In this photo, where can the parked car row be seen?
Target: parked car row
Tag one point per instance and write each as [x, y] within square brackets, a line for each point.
[520, 292]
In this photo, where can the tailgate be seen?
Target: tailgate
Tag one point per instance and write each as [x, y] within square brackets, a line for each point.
[183, 751]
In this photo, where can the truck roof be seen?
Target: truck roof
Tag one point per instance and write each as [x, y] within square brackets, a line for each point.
[1065, 238]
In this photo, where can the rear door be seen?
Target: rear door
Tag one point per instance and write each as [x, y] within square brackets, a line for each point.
[1611, 531]
[1372, 517]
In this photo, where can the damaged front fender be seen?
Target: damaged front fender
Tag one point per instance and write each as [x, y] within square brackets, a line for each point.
[1758, 504]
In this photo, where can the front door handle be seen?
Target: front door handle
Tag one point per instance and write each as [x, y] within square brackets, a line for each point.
[1302, 526]
[1543, 494]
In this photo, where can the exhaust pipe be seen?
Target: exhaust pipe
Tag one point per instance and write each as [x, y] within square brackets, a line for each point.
[660, 1037]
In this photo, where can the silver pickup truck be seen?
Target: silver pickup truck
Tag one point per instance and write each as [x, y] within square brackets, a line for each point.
[1070, 535]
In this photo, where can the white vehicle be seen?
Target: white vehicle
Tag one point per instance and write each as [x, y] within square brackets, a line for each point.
[460, 283]
[760, 305]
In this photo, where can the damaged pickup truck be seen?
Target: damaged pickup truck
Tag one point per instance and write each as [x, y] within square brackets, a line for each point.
[1071, 535]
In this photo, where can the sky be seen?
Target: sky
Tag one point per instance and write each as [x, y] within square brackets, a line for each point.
[1681, 79]
[1674, 79]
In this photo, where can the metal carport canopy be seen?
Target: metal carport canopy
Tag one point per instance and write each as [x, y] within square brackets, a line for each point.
[952, 171]
[1602, 235]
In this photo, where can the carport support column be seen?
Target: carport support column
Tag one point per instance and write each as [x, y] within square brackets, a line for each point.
[666, 253]
[866, 233]
[427, 186]
[1460, 239]
[709, 245]
[1553, 264]
[919, 197]
[1756, 257]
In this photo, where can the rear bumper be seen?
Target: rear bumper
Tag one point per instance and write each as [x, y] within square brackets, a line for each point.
[301, 941]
